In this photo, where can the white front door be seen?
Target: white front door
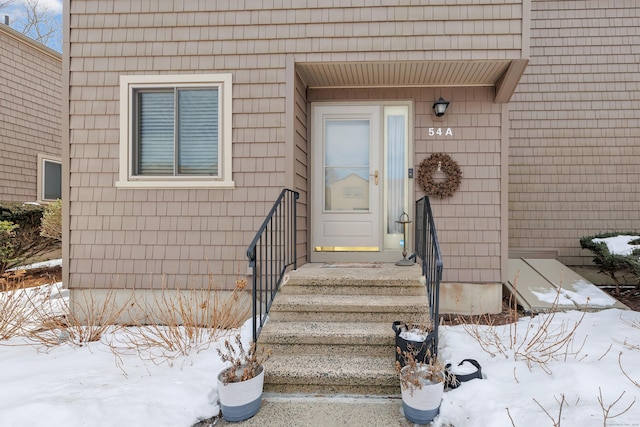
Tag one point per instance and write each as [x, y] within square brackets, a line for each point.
[359, 185]
[346, 178]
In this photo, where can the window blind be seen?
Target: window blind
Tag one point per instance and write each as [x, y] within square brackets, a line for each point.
[198, 131]
[155, 133]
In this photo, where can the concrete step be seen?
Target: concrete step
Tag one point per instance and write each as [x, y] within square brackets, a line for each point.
[280, 410]
[374, 275]
[349, 308]
[328, 338]
[332, 374]
[355, 288]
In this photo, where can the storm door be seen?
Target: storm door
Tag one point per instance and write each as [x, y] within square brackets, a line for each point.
[360, 181]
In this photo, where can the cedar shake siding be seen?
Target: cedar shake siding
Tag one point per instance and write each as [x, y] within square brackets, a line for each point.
[281, 55]
[574, 166]
[30, 117]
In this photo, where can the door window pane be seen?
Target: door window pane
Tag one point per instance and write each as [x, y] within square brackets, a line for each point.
[346, 165]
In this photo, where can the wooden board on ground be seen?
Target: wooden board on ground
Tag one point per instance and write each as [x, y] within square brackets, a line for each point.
[582, 292]
[533, 292]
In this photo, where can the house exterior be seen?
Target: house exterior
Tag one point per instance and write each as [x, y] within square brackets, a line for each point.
[30, 119]
[184, 120]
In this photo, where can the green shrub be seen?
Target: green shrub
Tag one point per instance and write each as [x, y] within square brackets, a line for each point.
[7, 235]
[21, 235]
[52, 220]
[613, 263]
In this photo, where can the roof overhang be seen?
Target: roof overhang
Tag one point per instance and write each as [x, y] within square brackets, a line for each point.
[504, 75]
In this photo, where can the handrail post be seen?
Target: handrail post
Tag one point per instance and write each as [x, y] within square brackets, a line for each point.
[254, 296]
[294, 237]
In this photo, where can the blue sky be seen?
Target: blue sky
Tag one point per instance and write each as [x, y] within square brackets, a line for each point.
[14, 11]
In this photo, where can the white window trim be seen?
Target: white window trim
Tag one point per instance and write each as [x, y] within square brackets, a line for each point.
[40, 175]
[128, 84]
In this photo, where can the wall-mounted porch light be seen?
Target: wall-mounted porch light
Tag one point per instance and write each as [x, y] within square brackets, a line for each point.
[440, 107]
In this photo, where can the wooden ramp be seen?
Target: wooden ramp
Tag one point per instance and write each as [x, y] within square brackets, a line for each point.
[539, 285]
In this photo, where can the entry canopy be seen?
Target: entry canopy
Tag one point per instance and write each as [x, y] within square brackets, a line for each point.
[504, 75]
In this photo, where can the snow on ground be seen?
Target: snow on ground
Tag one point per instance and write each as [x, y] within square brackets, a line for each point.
[611, 340]
[89, 385]
[43, 264]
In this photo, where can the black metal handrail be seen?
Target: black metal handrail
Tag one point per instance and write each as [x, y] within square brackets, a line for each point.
[428, 250]
[270, 253]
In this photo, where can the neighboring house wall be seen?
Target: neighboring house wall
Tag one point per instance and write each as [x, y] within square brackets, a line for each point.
[138, 237]
[30, 114]
[574, 167]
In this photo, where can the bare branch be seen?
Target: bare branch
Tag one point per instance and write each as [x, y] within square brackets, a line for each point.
[636, 383]
[6, 3]
[605, 353]
[509, 414]
[606, 410]
[37, 20]
[556, 423]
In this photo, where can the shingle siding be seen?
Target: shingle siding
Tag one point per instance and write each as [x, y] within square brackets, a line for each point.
[575, 157]
[201, 230]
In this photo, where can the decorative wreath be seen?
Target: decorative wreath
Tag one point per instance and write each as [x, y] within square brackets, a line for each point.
[439, 162]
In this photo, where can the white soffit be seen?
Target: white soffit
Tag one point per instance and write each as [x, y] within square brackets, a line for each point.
[407, 73]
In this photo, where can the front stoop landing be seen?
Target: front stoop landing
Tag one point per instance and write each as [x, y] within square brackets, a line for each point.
[330, 328]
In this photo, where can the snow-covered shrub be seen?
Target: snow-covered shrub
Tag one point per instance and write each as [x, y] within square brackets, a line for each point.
[615, 253]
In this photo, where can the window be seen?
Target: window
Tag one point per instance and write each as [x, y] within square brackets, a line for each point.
[175, 131]
[49, 178]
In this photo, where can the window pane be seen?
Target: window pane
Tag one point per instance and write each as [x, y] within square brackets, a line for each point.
[347, 164]
[155, 133]
[395, 172]
[347, 143]
[52, 182]
[198, 132]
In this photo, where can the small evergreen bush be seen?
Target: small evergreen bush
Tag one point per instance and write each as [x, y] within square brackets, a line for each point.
[7, 235]
[613, 263]
[52, 220]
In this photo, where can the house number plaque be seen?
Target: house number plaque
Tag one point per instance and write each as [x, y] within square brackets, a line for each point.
[440, 132]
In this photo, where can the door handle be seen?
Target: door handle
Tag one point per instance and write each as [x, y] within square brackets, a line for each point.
[375, 175]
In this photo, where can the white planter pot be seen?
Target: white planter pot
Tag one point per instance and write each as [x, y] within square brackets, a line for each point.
[422, 405]
[240, 401]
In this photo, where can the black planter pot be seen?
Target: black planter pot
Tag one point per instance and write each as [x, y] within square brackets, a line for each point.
[419, 349]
